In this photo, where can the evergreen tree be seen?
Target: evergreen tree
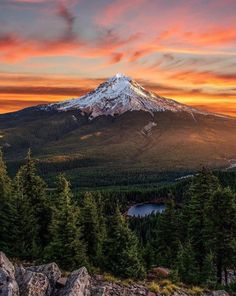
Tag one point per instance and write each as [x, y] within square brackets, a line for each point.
[6, 209]
[91, 234]
[122, 255]
[186, 265]
[31, 187]
[66, 245]
[220, 229]
[208, 276]
[25, 225]
[201, 190]
[167, 236]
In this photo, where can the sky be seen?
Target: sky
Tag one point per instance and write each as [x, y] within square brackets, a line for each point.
[52, 50]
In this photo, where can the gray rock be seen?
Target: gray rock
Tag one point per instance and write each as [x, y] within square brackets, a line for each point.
[77, 284]
[8, 285]
[32, 283]
[6, 265]
[51, 270]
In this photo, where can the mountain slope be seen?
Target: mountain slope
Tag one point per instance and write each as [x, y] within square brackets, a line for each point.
[118, 130]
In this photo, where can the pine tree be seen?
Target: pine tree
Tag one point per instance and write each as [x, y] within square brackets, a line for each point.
[186, 266]
[91, 234]
[220, 232]
[167, 236]
[201, 190]
[121, 249]
[66, 245]
[25, 224]
[6, 209]
[32, 188]
[208, 276]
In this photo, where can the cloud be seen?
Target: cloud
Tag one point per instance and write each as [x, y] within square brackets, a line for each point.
[212, 37]
[114, 11]
[14, 105]
[69, 18]
[44, 90]
[205, 77]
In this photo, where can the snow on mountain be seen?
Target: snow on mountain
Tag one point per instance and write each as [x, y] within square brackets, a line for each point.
[118, 95]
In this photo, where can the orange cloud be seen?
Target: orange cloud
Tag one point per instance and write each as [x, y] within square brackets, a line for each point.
[205, 77]
[217, 36]
[115, 10]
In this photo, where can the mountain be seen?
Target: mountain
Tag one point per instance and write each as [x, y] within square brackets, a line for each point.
[118, 95]
[119, 133]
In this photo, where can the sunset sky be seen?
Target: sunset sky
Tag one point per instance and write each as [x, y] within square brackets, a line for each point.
[52, 50]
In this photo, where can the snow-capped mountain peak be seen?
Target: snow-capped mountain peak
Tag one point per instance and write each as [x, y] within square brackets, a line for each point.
[118, 95]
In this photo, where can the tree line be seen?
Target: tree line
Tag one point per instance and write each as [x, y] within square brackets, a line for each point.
[195, 238]
[42, 225]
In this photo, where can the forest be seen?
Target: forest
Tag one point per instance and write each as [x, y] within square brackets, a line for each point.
[195, 237]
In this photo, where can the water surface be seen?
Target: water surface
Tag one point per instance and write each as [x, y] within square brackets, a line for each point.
[145, 209]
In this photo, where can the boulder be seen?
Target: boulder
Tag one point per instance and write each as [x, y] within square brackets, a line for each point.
[8, 285]
[77, 284]
[6, 265]
[32, 283]
[51, 270]
[159, 273]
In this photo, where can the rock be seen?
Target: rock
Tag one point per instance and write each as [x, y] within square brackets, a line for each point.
[77, 284]
[51, 271]
[220, 293]
[113, 289]
[158, 273]
[32, 283]
[8, 285]
[7, 265]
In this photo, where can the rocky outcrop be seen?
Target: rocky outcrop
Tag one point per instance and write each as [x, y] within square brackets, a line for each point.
[32, 283]
[77, 284]
[8, 285]
[51, 271]
[46, 280]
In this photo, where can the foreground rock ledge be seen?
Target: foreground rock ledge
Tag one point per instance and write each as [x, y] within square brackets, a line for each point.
[46, 280]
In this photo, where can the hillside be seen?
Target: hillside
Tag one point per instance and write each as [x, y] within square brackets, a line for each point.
[120, 127]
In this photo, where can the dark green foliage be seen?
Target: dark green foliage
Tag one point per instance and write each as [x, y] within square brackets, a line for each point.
[26, 227]
[93, 234]
[221, 229]
[208, 276]
[194, 236]
[66, 245]
[6, 209]
[30, 193]
[186, 266]
[122, 255]
[167, 236]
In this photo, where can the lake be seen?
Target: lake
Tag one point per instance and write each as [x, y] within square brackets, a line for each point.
[145, 209]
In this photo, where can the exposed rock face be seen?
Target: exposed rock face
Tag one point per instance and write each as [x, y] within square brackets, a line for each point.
[51, 271]
[32, 283]
[8, 285]
[78, 284]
